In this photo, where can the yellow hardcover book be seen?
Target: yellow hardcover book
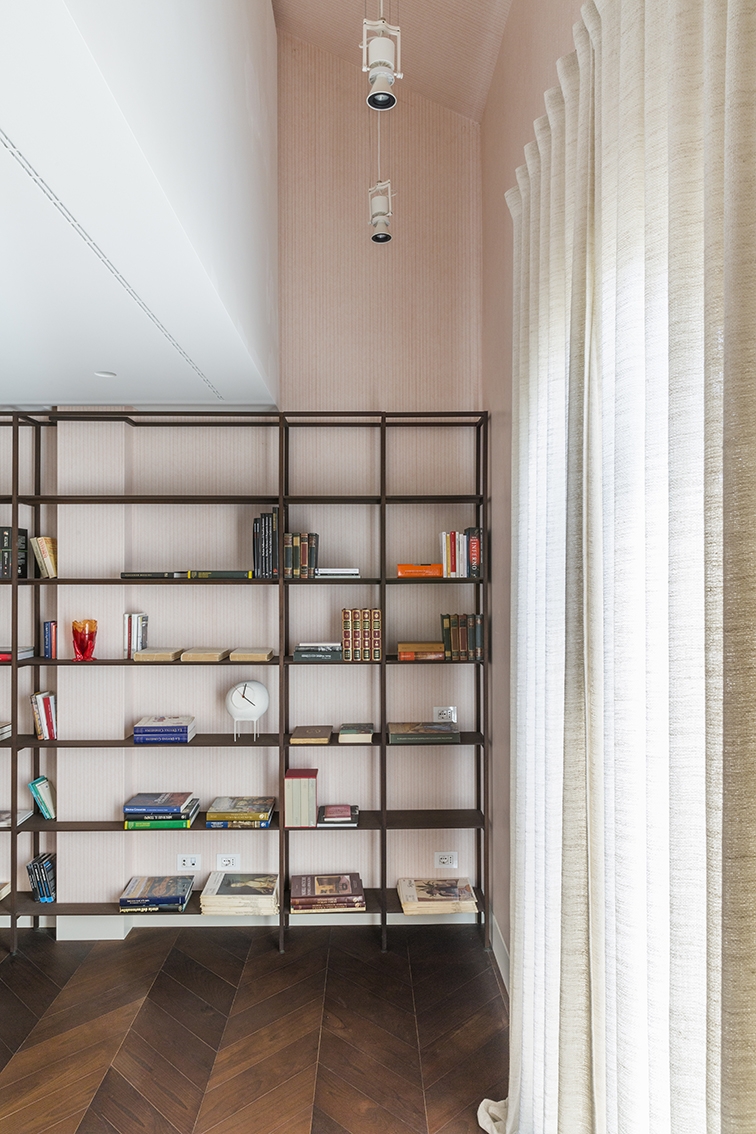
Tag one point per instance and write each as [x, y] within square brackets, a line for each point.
[158, 654]
[205, 654]
[251, 654]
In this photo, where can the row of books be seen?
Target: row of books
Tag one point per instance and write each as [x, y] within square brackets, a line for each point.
[50, 639]
[461, 640]
[41, 871]
[45, 719]
[45, 550]
[178, 810]
[300, 797]
[265, 545]
[239, 654]
[300, 555]
[362, 634]
[43, 795]
[461, 554]
[135, 628]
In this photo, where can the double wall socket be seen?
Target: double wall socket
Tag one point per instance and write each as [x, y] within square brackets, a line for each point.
[445, 713]
[443, 859]
[188, 861]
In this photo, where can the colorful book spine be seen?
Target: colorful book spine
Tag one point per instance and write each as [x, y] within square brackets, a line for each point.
[287, 555]
[50, 639]
[304, 555]
[346, 634]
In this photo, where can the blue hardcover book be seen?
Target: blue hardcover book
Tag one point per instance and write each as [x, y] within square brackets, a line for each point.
[168, 725]
[237, 824]
[163, 801]
[160, 738]
[162, 890]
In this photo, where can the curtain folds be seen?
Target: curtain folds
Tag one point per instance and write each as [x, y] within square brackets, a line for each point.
[633, 951]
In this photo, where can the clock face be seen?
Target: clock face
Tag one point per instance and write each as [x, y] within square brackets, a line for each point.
[247, 701]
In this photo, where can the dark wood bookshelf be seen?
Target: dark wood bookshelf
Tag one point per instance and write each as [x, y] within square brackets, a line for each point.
[27, 499]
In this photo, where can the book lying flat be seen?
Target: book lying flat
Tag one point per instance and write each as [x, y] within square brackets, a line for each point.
[336, 815]
[359, 733]
[423, 732]
[173, 802]
[311, 734]
[241, 807]
[159, 654]
[205, 654]
[251, 654]
[161, 890]
[436, 895]
[21, 817]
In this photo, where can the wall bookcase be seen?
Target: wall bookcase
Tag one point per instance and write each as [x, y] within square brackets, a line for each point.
[100, 533]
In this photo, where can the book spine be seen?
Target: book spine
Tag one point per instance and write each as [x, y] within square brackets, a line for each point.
[146, 812]
[237, 824]
[39, 558]
[479, 637]
[153, 574]
[256, 547]
[48, 702]
[47, 547]
[454, 621]
[38, 727]
[376, 622]
[473, 545]
[157, 824]
[446, 636]
[142, 903]
[295, 555]
[160, 738]
[274, 539]
[287, 554]
[313, 541]
[220, 574]
[304, 559]
[157, 731]
[346, 634]
[420, 655]
[127, 635]
[366, 635]
[462, 637]
[471, 637]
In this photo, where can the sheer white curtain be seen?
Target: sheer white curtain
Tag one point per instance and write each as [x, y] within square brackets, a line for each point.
[634, 650]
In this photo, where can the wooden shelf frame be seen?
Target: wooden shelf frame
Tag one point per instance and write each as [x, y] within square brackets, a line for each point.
[381, 900]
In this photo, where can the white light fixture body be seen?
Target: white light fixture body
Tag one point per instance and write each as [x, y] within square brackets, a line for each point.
[381, 58]
[380, 211]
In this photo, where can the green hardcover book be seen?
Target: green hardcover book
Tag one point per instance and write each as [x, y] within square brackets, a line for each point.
[454, 621]
[287, 554]
[446, 635]
[471, 637]
[295, 559]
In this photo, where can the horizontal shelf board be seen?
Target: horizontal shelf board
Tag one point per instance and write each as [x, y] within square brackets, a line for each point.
[149, 499]
[435, 820]
[142, 582]
[437, 498]
[393, 659]
[369, 821]
[38, 823]
[310, 499]
[27, 907]
[245, 740]
[130, 662]
[348, 579]
[392, 580]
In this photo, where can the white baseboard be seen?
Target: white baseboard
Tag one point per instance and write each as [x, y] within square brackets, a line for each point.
[500, 952]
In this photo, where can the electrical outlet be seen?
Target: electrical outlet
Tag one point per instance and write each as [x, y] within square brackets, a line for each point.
[227, 861]
[445, 858]
[445, 713]
[188, 861]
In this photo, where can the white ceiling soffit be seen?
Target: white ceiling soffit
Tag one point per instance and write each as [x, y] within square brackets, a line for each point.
[138, 202]
[449, 47]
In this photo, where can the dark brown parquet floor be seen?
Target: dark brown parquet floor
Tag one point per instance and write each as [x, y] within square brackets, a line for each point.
[193, 1031]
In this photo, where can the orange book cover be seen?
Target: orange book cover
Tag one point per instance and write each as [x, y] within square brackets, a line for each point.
[419, 570]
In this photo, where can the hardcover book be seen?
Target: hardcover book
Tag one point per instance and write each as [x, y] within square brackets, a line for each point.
[205, 654]
[325, 888]
[311, 734]
[42, 791]
[159, 654]
[240, 894]
[251, 654]
[172, 802]
[164, 724]
[339, 815]
[241, 807]
[419, 570]
[423, 732]
[359, 733]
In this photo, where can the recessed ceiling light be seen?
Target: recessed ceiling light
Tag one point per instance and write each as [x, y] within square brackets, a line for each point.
[105, 374]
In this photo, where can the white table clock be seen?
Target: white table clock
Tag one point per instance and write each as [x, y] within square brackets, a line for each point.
[247, 701]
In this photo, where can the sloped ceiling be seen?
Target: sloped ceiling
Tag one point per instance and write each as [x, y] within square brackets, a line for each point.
[138, 202]
[449, 49]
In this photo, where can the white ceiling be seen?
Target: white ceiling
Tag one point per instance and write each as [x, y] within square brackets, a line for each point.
[138, 202]
[449, 47]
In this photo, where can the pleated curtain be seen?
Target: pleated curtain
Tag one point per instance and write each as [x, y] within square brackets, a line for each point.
[633, 950]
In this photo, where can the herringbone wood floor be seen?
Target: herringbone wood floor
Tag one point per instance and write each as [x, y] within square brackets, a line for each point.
[193, 1031]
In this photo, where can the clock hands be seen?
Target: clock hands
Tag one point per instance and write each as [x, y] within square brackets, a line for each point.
[244, 695]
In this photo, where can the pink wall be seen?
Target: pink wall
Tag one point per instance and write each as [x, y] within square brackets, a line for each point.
[536, 35]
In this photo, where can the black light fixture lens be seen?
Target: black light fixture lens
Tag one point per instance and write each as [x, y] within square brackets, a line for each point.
[381, 100]
[381, 237]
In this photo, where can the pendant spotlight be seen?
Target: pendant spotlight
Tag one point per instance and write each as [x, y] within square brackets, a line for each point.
[381, 58]
[380, 211]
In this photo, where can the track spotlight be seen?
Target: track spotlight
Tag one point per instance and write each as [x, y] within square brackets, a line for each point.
[380, 211]
[381, 58]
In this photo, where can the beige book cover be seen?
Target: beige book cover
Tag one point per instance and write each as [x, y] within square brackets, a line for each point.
[205, 654]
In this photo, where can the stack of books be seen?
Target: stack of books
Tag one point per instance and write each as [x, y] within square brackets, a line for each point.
[45, 720]
[362, 634]
[461, 554]
[300, 551]
[160, 811]
[300, 797]
[336, 815]
[420, 651]
[134, 633]
[164, 730]
[436, 895]
[356, 733]
[42, 792]
[157, 894]
[244, 895]
[41, 871]
[6, 653]
[265, 545]
[6, 535]
[326, 893]
[318, 651]
[423, 732]
[45, 550]
[240, 812]
[463, 637]
[50, 639]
